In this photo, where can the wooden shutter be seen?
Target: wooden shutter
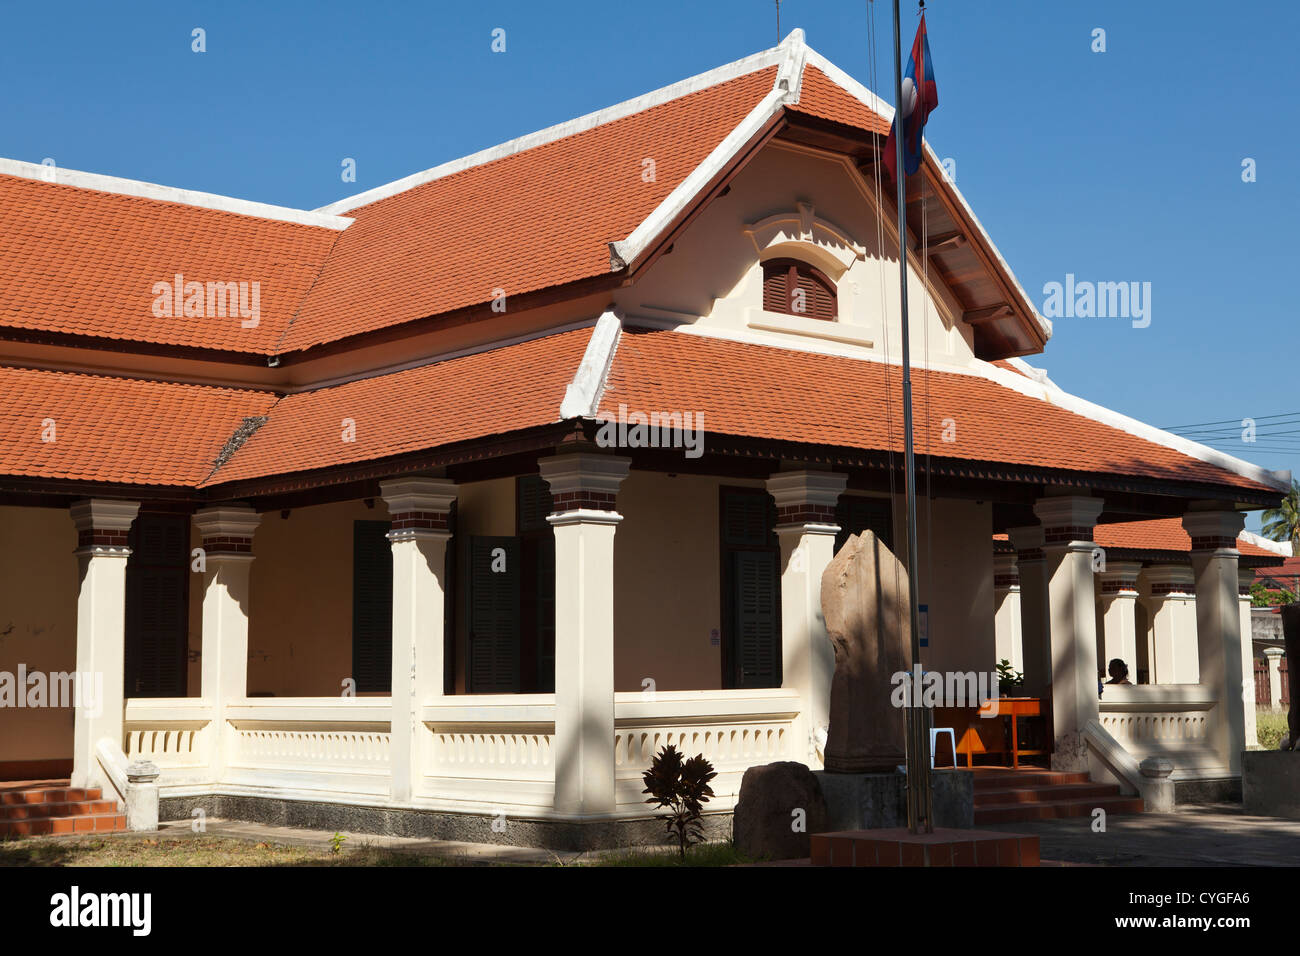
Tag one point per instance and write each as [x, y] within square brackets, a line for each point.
[494, 617]
[856, 514]
[756, 621]
[372, 607]
[781, 277]
[751, 589]
[533, 496]
[157, 606]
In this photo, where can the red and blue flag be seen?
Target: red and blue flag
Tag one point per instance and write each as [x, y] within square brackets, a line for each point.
[920, 98]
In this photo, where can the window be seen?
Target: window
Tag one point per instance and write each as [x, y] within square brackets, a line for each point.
[751, 581]
[157, 606]
[856, 514]
[796, 288]
[372, 607]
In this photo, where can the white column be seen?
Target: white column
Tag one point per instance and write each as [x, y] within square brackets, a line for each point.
[1118, 586]
[1173, 624]
[102, 552]
[227, 533]
[1006, 610]
[1031, 568]
[1274, 657]
[584, 488]
[1067, 543]
[1218, 624]
[1245, 578]
[806, 528]
[419, 508]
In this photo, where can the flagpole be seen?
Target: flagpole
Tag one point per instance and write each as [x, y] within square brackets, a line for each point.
[919, 805]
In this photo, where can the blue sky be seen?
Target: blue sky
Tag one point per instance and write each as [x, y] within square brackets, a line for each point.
[1115, 166]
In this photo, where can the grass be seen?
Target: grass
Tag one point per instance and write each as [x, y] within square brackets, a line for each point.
[704, 854]
[204, 851]
[1270, 728]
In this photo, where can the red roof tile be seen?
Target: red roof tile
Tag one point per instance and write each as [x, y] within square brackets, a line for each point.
[527, 221]
[820, 96]
[474, 396]
[115, 429]
[85, 262]
[765, 392]
[1155, 534]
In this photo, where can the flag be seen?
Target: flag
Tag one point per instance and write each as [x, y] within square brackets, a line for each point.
[919, 100]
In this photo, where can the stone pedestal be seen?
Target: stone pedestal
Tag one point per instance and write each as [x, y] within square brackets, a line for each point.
[1270, 783]
[867, 801]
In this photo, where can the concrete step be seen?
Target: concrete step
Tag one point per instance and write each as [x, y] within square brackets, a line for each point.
[71, 808]
[84, 823]
[1054, 809]
[1065, 791]
[1021, 779]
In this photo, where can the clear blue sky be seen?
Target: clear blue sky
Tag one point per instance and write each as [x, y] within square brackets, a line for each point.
[1115, 166]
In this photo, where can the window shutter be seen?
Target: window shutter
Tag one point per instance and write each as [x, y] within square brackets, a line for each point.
[776, 290]
[856, 514]
[782, 276]
[494, 617]
[758, 645]
[534, 500]
[157, 606]
[372, 607]
[545, 614]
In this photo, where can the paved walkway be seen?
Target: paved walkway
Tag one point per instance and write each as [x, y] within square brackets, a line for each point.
[1211, 835]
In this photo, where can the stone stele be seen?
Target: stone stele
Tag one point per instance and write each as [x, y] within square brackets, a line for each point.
[865, 605]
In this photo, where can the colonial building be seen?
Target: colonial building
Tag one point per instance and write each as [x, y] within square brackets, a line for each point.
[330, 505]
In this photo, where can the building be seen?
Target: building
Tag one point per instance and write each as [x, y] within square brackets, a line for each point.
[464, 495]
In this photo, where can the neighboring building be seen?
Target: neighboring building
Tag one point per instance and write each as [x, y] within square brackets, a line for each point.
[378, 429]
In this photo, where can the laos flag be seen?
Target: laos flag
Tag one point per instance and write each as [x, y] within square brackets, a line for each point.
[920, 97]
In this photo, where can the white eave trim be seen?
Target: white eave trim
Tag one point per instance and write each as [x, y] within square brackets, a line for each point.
[1282, 548]
[583, 394]
[694, 84]
[185, 197]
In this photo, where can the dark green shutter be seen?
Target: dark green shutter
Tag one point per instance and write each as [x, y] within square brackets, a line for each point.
[751, 588]
[494, 617]
[855, 514]
[157, 606]
[372, 607]
[758, 627]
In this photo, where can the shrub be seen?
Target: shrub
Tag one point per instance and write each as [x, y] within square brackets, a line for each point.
[682, 787]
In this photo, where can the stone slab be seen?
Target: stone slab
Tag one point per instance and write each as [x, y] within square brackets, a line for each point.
[1270, 783]
[867, 801]
[943, 847]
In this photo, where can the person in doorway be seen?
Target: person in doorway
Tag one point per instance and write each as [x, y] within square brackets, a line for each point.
[1118, 671]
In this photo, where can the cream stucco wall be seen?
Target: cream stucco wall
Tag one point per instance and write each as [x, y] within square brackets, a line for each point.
[38, 624]
[713, 277]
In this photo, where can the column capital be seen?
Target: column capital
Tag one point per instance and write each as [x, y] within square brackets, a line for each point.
[419, 507]
[103, 525]
[1274, 653]
[1214, 530]
[583, 482]
[806, 499]
[1006, 577]
[1119, 577]
[1067, 518]
[1172, 580]
[1028, 542]
[227, 530]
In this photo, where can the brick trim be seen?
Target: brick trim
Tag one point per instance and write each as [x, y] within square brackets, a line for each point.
[582, 501]
[1031, 554]
[1114, 587]
[1163, 590]
[805, 514]
[101, 538]
[1213, 542]
[1006, 581]
[420, 521]
[228, 544]
[1067, 533]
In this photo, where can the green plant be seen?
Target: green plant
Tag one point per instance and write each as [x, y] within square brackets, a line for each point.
[336, 842]
[1262, 596]
[1283, 523]
[682, 788]
[1009, 679]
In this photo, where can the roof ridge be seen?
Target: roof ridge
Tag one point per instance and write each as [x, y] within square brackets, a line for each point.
[142, 379]
[764, 59]
[114, 185]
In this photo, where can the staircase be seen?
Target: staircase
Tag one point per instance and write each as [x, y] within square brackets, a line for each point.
[1014, 796]
[36, 807]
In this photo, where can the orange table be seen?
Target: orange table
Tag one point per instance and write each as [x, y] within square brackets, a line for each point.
[977, 733]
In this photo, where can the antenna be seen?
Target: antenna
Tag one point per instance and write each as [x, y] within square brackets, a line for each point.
[778, 22]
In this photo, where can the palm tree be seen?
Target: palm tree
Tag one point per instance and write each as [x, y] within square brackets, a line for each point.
[1283, 524]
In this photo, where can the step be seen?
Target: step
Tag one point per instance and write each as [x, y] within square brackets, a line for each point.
[48, 795]
[1020, 779]
[1054, 809]
[1064, 791]
[88, 823]
[32, 811]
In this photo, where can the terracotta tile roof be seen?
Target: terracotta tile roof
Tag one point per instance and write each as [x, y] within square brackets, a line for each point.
[81, 261]
[116, 429]
[820, 96]
[534, 219]
[765, 392]
[1155, 534]
[1289, 568]
[474, 396]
